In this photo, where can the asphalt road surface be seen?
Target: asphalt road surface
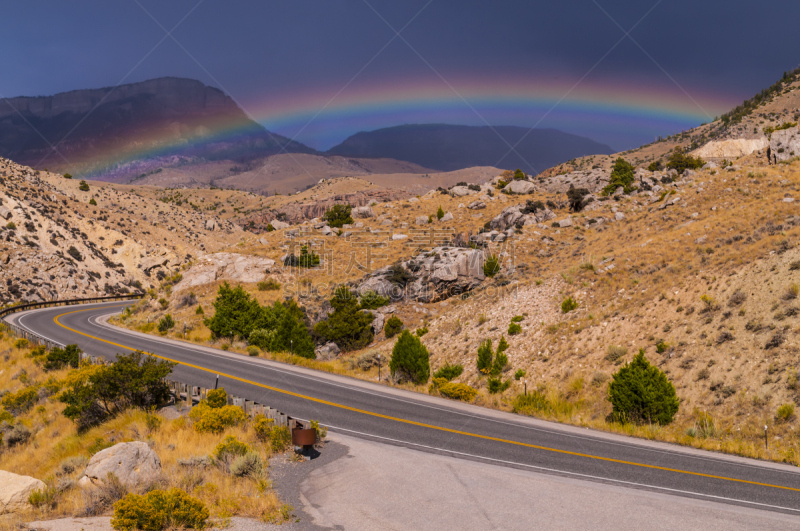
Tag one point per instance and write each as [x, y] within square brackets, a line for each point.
[361, 409]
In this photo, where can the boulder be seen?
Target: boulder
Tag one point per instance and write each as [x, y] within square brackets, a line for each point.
[326, 230]
[134, 464]
[566, 222]
[421, 220]
[363, 212]
[461, 191]
[327, 352]
[5, 213]
[278, 225]
[619, 216]
[519, 187]
[211, 224]
[476, 205]
[14, 491]
[436, 275]
[447, 217]
[509, 217]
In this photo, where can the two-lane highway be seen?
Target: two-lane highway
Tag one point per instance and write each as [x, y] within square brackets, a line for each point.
[437, 425]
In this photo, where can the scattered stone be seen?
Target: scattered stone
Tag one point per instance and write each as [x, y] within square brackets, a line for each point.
[476, 205]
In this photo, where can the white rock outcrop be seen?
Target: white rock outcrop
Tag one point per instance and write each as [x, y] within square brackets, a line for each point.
[225, 266]
[731, 148]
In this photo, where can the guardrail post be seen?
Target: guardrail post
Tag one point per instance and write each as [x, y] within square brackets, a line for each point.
[189, 390]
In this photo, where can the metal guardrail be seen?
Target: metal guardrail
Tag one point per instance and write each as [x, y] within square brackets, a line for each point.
[38, 340]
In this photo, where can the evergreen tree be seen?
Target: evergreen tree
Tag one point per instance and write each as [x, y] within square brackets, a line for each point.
[485, 356]
[347, 326]
[292, 334]
[640, 392]
[440, 213]
[236, 314]
[410, 358]
[393, 326]
[338, 215]
[621, 175]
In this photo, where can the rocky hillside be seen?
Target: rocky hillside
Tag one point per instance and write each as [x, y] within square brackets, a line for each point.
[58, 241]
[678, 267]
[744, 130]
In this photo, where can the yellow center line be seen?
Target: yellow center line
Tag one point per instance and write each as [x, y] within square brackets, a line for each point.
[422, 424]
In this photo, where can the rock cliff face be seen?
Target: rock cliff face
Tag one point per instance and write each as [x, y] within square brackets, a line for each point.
[96, 131]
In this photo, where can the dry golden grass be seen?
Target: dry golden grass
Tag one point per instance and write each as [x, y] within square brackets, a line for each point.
[56, 441]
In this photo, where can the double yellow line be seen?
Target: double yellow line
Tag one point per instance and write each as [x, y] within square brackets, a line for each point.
[422, 424]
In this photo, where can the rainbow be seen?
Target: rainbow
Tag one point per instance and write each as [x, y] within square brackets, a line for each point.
[591, 109]
[632, 112]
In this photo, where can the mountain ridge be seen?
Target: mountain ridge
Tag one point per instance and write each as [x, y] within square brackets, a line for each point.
[98, 130]
[447, 147]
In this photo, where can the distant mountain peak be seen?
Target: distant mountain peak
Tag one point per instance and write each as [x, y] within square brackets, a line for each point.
[95, 131]
[447, 147]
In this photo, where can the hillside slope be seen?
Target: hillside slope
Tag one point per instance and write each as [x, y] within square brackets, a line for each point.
[55, 244]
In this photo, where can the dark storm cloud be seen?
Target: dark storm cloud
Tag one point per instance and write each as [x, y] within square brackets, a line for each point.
[257, 49]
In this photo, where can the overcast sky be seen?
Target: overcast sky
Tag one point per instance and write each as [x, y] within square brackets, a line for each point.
[302, 67]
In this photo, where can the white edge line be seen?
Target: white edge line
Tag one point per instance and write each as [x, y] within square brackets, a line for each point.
[566, 472]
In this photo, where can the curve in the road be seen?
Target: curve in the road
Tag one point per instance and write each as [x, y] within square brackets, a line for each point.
[711, 477]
